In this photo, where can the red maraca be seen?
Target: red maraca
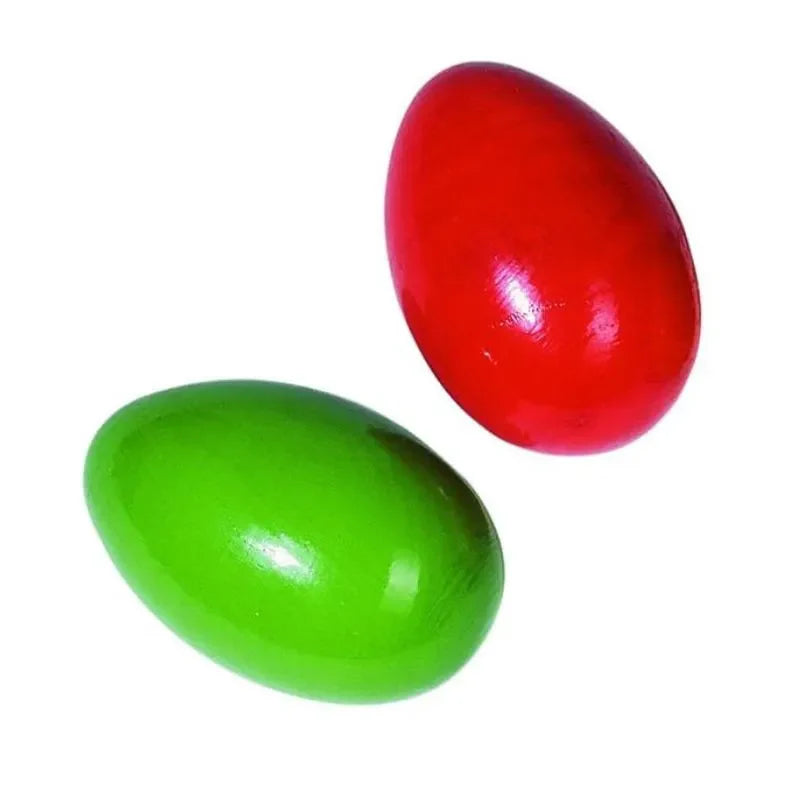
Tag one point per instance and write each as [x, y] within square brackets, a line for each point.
[540, 264]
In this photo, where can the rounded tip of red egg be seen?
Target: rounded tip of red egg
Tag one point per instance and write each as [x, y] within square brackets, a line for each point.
[540, 264]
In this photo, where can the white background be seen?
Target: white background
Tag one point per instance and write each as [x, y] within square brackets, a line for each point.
[193, 190]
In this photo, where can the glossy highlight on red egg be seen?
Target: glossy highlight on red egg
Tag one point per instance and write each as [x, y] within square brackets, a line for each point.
[540, 264]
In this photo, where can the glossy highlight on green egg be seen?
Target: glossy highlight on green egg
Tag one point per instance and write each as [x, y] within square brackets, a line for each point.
[297, 538]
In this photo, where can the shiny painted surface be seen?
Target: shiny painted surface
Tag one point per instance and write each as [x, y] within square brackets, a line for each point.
[300, 539]
[541, 266]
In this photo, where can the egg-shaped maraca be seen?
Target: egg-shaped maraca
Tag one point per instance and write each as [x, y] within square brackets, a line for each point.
[298, 538]
[541, 267]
